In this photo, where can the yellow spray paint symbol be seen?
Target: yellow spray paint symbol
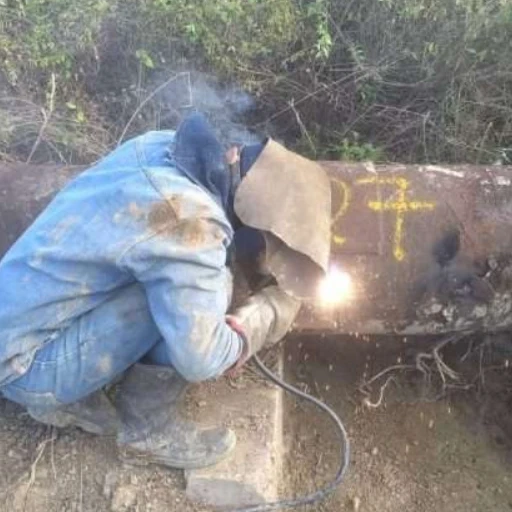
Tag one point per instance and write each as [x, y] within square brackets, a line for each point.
[342, 209]
[399, 204]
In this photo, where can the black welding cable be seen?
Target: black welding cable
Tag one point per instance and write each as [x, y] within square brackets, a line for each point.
[344, 451]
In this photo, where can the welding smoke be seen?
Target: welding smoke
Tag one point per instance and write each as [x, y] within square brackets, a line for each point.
[226, 106]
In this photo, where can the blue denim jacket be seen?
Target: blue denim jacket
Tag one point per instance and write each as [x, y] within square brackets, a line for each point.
[133, 217]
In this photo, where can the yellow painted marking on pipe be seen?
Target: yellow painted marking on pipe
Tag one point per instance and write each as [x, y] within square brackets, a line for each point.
[400, 205]
[338, 240]
[344, 190]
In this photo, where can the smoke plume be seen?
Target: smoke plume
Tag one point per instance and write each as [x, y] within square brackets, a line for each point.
[224, 105]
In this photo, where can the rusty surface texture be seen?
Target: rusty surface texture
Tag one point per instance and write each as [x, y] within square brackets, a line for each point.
[429, 248]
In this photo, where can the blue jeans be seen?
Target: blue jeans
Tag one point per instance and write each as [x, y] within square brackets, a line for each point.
[90, 353]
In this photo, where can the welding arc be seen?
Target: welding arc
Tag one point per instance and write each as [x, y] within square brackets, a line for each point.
[344, 451]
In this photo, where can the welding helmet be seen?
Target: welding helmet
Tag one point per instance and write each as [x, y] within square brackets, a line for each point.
[287, 198]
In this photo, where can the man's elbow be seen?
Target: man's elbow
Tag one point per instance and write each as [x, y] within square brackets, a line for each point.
[202, 365]
[197, 370]
[212, 349]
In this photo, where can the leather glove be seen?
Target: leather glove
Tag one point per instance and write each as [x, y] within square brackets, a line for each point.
[264, 319]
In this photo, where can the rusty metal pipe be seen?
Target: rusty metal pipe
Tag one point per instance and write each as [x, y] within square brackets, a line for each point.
[429, 248]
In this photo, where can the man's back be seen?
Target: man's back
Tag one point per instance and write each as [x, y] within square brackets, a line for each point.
[73, 257]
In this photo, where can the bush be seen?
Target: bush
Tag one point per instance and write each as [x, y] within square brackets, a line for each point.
[409, 80]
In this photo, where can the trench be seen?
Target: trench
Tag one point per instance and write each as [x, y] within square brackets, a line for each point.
[415, 451]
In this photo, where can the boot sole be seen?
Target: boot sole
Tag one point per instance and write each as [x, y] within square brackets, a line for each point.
[135, 457]
[67, 421]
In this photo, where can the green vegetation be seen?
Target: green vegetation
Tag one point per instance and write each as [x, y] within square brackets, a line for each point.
[408, 80]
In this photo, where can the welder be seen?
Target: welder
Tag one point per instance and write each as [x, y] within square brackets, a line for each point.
[123, 284]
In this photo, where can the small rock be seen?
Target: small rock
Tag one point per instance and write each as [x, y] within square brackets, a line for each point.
[480, 311]
[356, 504]
[110, 482]
[375, 451]
[125, 497]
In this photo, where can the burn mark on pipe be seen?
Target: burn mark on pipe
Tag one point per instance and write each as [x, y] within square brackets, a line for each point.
[447, 247]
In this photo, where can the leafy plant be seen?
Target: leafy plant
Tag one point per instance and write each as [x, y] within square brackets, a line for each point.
[423, 80]
[356, 152]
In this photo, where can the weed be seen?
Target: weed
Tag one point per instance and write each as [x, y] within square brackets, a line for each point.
[416, 80]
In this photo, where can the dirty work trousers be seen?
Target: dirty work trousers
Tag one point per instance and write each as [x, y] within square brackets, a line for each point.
[90, 353]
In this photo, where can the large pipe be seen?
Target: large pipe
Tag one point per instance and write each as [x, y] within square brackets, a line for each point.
[428, 248]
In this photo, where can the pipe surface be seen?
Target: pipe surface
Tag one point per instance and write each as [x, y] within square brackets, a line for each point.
[428, 248]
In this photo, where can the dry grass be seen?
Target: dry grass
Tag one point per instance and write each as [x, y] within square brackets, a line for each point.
[396, 80]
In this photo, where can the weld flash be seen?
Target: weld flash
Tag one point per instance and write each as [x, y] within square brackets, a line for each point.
[336, 288]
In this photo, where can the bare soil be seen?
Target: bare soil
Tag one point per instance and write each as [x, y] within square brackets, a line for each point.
[43, 469]
[416, 452]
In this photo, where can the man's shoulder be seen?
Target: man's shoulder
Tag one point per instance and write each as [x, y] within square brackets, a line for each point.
[149, 149]
[154, 147]
[188, 198]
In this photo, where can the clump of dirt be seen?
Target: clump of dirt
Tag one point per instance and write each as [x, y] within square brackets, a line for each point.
[444, 453]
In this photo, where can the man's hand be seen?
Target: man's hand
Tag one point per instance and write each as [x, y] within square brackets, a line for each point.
[264, 319]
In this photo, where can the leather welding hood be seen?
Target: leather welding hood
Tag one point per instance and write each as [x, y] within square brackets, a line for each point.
[288, 198]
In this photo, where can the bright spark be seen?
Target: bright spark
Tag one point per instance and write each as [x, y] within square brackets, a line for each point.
[336, 288]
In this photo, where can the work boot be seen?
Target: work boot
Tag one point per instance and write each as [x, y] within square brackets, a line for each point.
[95, 414]
[152, 428]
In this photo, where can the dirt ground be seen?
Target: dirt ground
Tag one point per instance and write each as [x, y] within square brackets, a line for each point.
[43, 469]
[440, 454]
